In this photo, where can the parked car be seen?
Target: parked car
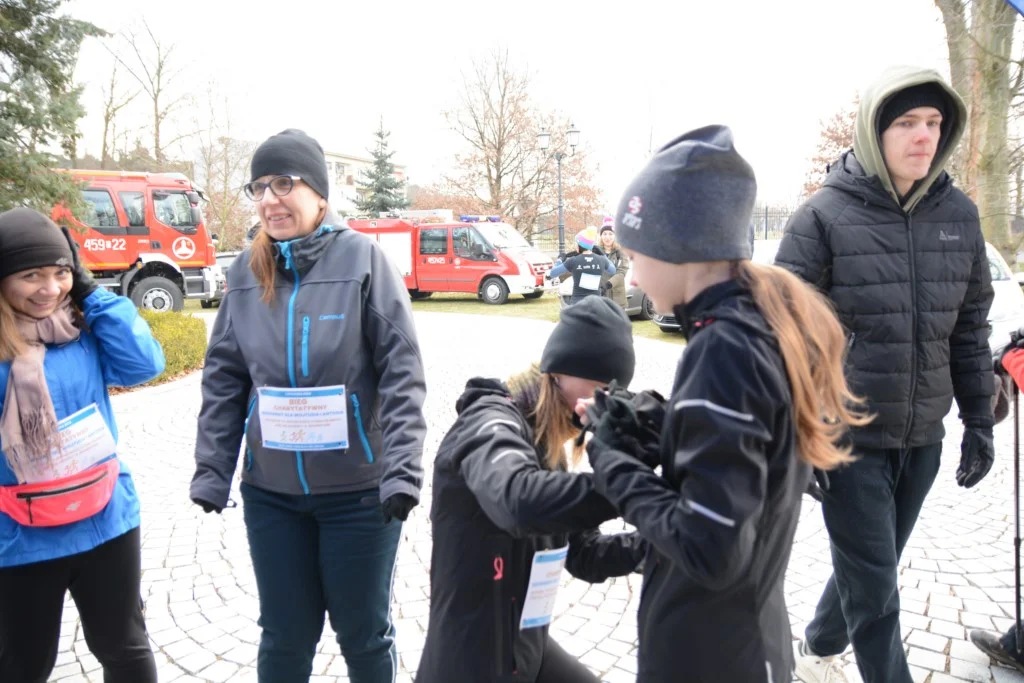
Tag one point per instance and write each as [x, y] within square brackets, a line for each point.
[1005, 316]
[224, 261]
[1007, 312]
[638, 305]
[764, 252]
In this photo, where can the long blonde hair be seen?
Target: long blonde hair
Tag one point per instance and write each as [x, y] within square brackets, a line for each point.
[12, 344]
[813, 348]
[538, 394]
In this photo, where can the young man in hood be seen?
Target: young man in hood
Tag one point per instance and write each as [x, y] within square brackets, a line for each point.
[900, 253]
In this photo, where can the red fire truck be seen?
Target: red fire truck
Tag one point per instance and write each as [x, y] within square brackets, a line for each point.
[144, 237]
[479, 255]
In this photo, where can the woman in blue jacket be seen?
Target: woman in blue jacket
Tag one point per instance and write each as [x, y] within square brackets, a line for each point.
[69, 513]
[314, 364]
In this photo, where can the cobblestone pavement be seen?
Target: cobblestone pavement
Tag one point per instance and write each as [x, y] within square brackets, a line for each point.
[201, 604]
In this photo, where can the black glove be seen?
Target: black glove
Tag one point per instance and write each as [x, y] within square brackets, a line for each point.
[977, 453]
[818, 484]
[398, 506]
[82, 284]
[207, 506]
[630, 426]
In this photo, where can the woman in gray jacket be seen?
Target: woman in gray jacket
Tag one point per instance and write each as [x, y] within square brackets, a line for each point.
[314, 362]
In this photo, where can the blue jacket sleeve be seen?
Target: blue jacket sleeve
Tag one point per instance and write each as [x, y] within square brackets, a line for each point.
[129, 354]
[221, 425]
[559, 269]
[609, 267]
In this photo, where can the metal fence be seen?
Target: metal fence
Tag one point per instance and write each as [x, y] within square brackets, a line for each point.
[769, 224]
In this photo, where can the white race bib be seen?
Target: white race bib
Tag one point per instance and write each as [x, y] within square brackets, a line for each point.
[85, 440]
[545, 576]
[591, 281]
[305, 419]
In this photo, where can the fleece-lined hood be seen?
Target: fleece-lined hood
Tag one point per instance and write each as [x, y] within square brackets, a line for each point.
[867, 143]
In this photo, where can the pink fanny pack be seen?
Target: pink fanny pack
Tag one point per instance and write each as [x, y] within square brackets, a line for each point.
[61, 501]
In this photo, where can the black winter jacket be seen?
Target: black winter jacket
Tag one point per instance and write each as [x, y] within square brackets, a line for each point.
[721, 517]
[913, 292]
[493, 507]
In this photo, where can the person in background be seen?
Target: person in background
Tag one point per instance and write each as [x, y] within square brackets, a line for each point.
[614, 285]
[315, 316]
[759, 398]
[69, 512]
[586, 269]
[503, 496]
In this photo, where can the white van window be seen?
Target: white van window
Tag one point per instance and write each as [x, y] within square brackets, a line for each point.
[433, 241]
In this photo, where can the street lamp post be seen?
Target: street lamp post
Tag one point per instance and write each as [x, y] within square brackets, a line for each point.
[544, 141]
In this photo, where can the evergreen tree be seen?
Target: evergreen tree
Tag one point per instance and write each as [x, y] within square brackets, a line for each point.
[381, 190]
[39, 103]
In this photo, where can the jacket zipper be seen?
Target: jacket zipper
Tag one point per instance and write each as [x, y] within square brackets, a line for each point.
[291, 355]
[362, 431]
[305, 346]
[29, 497]
[67, 489]
[245, 434]
[913, 332]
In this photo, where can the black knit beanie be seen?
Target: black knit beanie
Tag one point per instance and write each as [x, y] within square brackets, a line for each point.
[924, 95]
[607, 228]
[692, 202]
[28, 239]
[292, 152]
[593, 340]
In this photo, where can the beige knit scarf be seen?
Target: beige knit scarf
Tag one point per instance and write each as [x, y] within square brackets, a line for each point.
[28, 425]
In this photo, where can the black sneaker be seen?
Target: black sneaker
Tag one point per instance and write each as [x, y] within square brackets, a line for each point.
[991, 645]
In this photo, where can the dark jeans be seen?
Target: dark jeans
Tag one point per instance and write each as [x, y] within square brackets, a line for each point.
[870, 511]
[311, 554]
[558, 666]
[104, 583]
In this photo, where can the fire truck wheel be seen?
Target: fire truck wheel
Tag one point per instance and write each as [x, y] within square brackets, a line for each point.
[494, 291]
[158, 294]
[417, 295]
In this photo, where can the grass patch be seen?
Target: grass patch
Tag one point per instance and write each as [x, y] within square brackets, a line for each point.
[545, 308]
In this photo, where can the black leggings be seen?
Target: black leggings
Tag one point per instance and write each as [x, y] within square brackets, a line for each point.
[104, 583]
[558, 666]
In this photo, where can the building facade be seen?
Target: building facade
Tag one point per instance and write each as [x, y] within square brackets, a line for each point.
[344, 171]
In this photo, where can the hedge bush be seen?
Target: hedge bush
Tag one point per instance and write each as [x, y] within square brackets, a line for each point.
[183, 338]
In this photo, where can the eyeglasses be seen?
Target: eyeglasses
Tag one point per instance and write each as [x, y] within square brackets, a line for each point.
[280, 185]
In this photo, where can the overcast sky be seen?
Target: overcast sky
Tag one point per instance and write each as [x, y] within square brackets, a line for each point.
[626, 73]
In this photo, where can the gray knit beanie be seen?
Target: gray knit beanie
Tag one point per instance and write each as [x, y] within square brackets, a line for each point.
[692, 203]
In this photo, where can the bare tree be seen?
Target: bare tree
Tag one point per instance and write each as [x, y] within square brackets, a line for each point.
[150, 63]
[113, 103]
[979, 38]
[836, 137]
[221, 171]
[502, 168]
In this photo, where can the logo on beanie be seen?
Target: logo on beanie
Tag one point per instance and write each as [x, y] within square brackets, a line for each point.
[63, 261]
[631, 220]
